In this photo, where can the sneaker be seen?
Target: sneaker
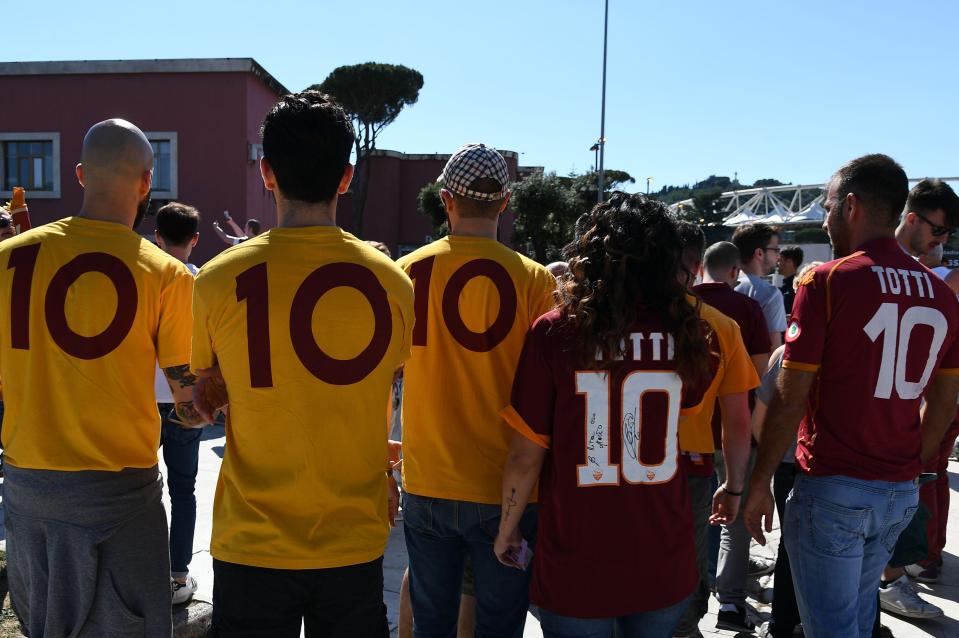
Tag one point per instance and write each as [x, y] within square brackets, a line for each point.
[923, 573]
[183, 592]
[760, 567]
[901, 598]
[768, 630]
[955, 451]
[734, 618]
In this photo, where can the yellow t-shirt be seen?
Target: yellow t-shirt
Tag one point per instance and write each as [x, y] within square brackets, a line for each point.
[91, 307]
[736, 373]
[308, 326]
[475, 301]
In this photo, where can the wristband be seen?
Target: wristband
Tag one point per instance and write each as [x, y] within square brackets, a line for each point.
[730, 492]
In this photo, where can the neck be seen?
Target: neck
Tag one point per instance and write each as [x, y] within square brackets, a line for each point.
[902, 236]
[870, 233]
[709, 279]
[753, 268]
[475, 227]
[296, 214]
[180, 252]
[108, 207]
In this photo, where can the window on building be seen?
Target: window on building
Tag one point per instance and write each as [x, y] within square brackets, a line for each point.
[30, 160]
[164, 165]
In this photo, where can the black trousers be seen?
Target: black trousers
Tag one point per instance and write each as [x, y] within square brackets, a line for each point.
[785, 614]
[338, 602]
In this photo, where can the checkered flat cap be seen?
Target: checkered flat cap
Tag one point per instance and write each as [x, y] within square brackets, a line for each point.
[472, 162]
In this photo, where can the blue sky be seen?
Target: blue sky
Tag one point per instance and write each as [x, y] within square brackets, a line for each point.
[788, 90]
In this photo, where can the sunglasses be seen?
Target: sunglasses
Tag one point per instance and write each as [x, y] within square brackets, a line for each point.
[937, 231]
[772, 248]
[5, 222]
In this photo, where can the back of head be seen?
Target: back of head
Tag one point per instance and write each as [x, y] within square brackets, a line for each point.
[478, 179]
[931, 195]
[115, 154]
[307, 140]
[558, 269]
[720, 259]
[625, 256]
[253, 227]
[177, 223]
[692, 238]
[380, 246]
[879, 182]
[749, 237]
[793, 253]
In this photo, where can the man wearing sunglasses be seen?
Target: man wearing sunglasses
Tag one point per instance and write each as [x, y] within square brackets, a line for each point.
[930, 217]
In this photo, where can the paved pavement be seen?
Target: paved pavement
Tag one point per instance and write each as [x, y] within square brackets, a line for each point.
[944, 594]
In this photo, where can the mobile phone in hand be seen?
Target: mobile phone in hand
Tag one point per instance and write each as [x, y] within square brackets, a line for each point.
[521, 558]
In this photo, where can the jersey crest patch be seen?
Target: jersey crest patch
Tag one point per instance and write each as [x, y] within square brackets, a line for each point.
[808, 278]
[793, 331]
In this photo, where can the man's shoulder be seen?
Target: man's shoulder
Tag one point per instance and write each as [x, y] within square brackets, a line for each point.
[717, 320]
[432, 249]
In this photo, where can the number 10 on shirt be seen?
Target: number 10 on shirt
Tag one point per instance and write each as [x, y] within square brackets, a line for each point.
[636, 420]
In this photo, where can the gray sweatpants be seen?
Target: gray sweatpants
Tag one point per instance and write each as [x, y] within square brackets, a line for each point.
[87, 552]
[733, 564]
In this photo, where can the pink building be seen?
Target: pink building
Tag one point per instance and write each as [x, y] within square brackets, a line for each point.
[203, 118]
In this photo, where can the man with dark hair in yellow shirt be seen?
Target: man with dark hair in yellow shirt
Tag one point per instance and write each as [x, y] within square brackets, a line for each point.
[307, 324]
[475, 300]
[94, 307]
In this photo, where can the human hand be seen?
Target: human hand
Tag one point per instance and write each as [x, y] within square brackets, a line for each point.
[209, 393]
[226, 214]
[392, 499]
[505, 547]
[725, 507]
[759, 505]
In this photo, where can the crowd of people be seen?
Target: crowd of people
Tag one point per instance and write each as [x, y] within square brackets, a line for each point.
[565, 437]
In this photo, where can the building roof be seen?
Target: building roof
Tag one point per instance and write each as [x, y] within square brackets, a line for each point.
[183, 65]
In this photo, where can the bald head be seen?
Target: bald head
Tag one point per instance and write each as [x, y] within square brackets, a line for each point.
[115, 151]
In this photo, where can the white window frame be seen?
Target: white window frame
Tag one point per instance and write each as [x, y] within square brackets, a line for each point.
[48, 136]
[171, 137]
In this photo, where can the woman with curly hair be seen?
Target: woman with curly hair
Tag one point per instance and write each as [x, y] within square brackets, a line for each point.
[596, 402]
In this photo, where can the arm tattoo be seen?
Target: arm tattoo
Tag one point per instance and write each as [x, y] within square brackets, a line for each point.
[187, 413]
[180, 374]
[510, 503]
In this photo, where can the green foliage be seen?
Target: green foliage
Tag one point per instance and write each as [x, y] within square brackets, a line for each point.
[373, 94]
[429, 203]
[546, 208]
[584, 186]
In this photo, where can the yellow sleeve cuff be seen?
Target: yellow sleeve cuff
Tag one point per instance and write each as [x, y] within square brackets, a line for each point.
[804, 367]
[518, 423]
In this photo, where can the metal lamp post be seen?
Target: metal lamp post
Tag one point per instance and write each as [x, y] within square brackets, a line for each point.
[602, 117]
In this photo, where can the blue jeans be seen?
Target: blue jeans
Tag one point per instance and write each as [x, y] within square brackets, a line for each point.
[659, 623]
[840, 533]
[440, 533]
[181, 453]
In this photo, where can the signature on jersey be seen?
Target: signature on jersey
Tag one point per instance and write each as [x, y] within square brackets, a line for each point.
[630, 437]
[597, 440]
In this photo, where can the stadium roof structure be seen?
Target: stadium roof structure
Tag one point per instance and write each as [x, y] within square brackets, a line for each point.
[787, 205]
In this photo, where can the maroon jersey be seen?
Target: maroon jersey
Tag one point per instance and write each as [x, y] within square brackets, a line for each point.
[746, 312]
[613, 504]
[876, 326]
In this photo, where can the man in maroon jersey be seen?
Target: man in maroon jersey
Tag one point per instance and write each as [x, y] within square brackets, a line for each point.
[871, 333]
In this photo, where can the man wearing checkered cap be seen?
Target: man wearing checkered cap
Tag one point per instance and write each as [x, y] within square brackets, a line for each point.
[474, 299]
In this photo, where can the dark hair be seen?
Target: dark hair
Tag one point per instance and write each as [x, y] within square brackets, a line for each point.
[177, 223]
[879, 182]
[625, 254]
[720, 257]
[793, 253]
[380, 246]
[307, 139]
[930, 195]
[254, 226]
[749, 237]
[692, 239]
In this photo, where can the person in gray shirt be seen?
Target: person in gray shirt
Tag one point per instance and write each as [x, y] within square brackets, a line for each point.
[758, 246]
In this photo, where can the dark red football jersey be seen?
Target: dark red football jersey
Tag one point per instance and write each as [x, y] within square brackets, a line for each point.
[875, 326]
[613, 505]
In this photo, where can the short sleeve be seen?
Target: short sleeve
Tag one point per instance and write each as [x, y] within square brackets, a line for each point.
[403, 308]
[533, 395]
[768, 385]
[774, 310]
[541, 295]
[739, 374]
[806, 334]
[203, 356]
[756, 338]
[176, 320]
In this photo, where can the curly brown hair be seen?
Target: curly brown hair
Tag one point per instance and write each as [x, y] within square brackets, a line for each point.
[626, 255]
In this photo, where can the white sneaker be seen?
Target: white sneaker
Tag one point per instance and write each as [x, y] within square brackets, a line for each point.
[901, 598]
[183, 592]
